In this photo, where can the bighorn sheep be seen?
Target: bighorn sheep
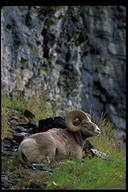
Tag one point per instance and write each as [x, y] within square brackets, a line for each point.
[59, 144]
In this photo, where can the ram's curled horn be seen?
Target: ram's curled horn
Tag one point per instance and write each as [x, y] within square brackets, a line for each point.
[71, 116]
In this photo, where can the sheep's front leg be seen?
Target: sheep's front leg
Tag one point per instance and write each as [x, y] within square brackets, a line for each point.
[48, 154]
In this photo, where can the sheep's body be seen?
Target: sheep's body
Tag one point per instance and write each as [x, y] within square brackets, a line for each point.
[57, 144]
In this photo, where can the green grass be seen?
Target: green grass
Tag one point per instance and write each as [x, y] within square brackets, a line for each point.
[96, 173]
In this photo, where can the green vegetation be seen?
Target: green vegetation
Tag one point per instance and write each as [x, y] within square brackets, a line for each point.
[4, 121]
[96, 173]
[92, 173]
[36, 105]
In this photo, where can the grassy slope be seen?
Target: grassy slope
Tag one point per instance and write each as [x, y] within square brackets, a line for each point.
[95, 173]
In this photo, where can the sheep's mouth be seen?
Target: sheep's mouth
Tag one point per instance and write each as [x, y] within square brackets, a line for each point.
[98, 132]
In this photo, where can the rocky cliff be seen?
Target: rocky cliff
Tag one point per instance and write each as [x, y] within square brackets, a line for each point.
[74, 56]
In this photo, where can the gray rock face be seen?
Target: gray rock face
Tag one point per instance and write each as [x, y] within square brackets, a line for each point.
[74, 55]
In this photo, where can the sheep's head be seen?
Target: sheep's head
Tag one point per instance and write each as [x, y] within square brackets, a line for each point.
[78, 120]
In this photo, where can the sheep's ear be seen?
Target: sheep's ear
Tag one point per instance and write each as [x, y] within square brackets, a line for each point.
[83, 121]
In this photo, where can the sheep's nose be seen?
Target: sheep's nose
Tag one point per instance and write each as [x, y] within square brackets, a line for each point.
[98, 130]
